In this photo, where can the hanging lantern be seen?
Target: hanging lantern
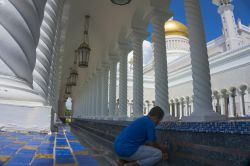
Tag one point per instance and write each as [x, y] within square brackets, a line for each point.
[65, 97]
[73, 72]
[68, 88]
[73, 77]
[84, 49]
[84, 53]
[121, 2]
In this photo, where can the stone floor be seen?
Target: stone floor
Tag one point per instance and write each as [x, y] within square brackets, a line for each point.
[57, 149]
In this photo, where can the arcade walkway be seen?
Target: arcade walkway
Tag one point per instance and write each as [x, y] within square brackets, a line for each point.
[59, 149]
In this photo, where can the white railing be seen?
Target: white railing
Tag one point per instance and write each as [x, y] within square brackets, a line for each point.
[177, 44]
[232, 102]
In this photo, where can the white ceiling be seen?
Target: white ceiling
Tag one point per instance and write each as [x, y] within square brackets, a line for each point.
[106, 23]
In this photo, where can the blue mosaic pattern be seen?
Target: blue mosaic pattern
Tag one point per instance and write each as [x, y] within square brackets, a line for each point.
[242, 127]
[233, 127]
[33, 149]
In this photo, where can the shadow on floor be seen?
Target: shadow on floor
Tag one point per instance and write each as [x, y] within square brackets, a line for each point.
[100, 149]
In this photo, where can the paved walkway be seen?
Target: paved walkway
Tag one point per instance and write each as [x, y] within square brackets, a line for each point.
[58, 149]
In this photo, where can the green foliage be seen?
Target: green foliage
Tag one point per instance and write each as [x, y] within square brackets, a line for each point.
[67, 112]
[68, 120]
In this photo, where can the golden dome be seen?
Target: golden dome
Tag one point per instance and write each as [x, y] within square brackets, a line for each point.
[173, 27]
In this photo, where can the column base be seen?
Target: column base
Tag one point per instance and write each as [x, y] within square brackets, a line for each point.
[110, 118]
[121, 118]
[132, 118]
[14, 91]
[169, 118]
[25, 118]
[98, 117]
[105, 118]
[203, 117]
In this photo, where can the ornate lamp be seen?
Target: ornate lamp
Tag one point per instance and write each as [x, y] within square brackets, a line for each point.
[65, 97]
[121, 2]
[84, 49]
[73, 77]
[73, 72]
[68, 88]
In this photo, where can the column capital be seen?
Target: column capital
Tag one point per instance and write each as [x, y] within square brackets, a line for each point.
[158, 12]
[224, 93]
[216, 94]
[124, 47]
[232, 91]
[171, 101]
[159, 9]
[98, 69]
[113, 57]
[90, 77]
[138, 34]
[159, 16]
[105, 66]
[243, 88]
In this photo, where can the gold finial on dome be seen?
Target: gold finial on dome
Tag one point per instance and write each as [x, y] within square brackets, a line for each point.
[173, 27]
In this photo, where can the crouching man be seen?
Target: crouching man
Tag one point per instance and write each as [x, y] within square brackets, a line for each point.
[136, 145]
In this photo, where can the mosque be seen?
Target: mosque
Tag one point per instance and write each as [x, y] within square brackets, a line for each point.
[229, 61]
[95, 52]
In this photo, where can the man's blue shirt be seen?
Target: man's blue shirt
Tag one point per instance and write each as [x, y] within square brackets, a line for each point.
[135, 135]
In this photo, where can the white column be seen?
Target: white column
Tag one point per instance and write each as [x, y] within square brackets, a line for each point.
[45, 46]
[160, 63]
[94, 96]
[20, 23]
[90, 97]
[191, 105]
[123, 83]
[99, 93]
[232, 102]
[51, 86]
[203, 109]
[224, 103]
[229, 27]
[176, 108]
[187, 99]
[230, 106]
[217, 102]
[85, 100]
[105, 72]
[242, 93]
[171, 103]
[112, 87]
[137, 37]
[182, 107]
[81, 102]
[88, 100]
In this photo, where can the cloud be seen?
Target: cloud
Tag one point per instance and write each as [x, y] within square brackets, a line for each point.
[68, 104]
[147, 52]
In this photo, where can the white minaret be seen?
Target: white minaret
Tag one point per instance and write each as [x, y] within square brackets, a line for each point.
[225, 9]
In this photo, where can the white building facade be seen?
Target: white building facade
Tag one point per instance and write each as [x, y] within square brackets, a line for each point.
[229, 61]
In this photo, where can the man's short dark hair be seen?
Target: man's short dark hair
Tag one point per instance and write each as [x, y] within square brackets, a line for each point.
[156, 111]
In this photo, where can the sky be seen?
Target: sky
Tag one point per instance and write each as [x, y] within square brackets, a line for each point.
[210, 19]
[210, 16]
[68, 104]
